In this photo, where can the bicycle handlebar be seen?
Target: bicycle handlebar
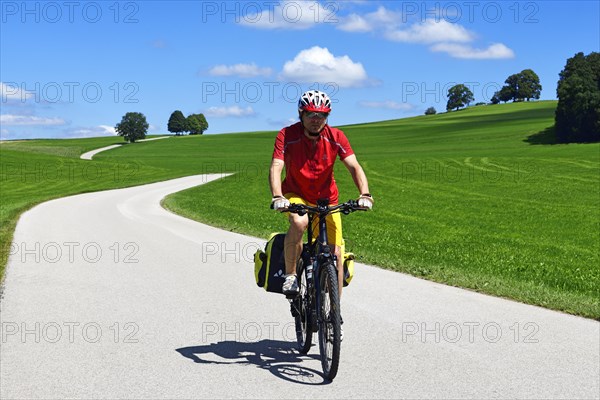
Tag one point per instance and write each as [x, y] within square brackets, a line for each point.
[345, 208]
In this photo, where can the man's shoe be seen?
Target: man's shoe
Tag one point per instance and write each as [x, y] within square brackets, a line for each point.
[290, 286]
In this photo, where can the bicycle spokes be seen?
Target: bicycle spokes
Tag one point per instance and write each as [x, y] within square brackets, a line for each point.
[303, 320]
[329, 322]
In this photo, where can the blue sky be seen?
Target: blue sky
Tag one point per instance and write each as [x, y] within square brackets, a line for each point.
[73, 69]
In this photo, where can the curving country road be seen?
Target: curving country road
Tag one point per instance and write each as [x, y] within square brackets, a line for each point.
[107, 295]
[90, 154]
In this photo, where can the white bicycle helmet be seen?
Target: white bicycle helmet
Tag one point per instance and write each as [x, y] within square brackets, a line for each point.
[314, 100]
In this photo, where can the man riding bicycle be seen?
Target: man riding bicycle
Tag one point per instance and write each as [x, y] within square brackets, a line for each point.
[308, 150]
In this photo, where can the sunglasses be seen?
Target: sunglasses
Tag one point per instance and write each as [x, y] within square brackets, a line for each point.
[311, 114]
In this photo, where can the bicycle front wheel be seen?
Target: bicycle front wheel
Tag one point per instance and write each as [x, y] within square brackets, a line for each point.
[303, 320]
[329, 321]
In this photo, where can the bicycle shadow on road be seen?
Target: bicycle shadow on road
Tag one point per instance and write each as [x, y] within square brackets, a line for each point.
[278, 357]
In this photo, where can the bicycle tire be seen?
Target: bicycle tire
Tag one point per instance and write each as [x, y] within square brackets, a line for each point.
[303, 321]
[329, 321]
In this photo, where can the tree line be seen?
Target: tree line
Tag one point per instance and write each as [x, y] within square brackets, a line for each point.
[524, 85]
[133, 125]
[577, 117]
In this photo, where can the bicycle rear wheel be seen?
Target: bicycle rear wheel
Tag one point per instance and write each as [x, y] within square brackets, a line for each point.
[329, 321]
[303, 320]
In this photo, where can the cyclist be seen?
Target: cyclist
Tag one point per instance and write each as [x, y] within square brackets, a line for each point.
[308, 150]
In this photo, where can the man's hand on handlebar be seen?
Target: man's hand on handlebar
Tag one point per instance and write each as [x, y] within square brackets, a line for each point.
[365, 200]
[279, 203]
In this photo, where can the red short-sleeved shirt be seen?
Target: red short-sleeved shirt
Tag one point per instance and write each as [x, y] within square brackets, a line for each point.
[309, 163]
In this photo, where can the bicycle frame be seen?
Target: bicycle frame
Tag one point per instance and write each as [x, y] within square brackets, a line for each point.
[318, 250]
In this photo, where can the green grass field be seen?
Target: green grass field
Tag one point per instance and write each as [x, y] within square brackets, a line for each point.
[468, 198]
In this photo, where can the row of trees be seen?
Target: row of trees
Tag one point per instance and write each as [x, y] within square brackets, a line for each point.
[133, 125]
[195, 124]
[518, 87]
[577, 117]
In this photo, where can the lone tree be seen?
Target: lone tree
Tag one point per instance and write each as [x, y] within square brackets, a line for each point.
[196, 124]
[459, 96]
[578, 111]
[133, 126]
[177, 123]
[430, 111]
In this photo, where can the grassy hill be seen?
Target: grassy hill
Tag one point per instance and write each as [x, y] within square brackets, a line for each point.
[467, 198]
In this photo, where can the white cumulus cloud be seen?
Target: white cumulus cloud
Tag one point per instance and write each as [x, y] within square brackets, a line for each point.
[494, 51]
[233, 111]
[108, 130]
[94, 131]
[12, 119]
[380, 19]
[317, 64]
[440, 34]
[241, 70]
[355, 23]
[431, 31]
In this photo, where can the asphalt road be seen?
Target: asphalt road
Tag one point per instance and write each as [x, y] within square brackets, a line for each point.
[90, 154]
[107, 295]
